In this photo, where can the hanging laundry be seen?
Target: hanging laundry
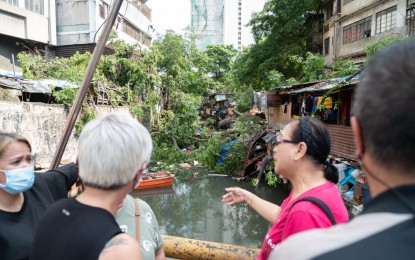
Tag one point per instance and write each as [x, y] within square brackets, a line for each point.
[328, 103]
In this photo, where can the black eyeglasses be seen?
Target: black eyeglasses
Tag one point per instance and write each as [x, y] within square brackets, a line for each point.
[278, 139]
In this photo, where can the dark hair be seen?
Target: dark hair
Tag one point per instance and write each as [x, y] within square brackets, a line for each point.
[314, 133]
[384, 104]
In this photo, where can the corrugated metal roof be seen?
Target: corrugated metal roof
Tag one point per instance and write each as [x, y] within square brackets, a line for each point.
[324, 85]
[36, 86]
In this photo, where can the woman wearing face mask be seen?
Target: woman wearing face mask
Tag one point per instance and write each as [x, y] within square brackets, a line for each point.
[25, 195]
[300, 156]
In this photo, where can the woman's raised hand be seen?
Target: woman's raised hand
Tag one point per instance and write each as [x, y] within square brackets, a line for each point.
[235, 195]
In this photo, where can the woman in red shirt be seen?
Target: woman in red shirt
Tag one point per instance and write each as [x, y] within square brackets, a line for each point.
[300, 156]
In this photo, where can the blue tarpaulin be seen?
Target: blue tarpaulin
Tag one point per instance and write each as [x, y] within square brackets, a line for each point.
[223, 152]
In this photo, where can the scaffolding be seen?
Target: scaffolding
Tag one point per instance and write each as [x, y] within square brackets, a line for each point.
[410, 17]
[207, 22]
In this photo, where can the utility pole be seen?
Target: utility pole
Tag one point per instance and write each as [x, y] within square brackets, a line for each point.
[93, 63]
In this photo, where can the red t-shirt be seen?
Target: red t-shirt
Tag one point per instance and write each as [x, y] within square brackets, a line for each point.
[304, 215]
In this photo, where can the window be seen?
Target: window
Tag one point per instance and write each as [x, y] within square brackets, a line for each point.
[386, 20]
[358, 30]
[13, 2]
[326, 46]
[34, 6]
[239, 33]
[329, 10]
[345, 2]
[239, 38]
[102, 11]
[135, 33]
[410, 18]
[239, 23]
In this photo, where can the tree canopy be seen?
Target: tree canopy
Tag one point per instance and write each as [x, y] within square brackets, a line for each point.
[281, 29]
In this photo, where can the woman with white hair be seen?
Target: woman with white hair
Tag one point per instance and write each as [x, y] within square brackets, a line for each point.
[113, 153]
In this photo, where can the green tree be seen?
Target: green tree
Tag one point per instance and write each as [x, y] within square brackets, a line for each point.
[373, 47]
[282, 29]
[220, 60]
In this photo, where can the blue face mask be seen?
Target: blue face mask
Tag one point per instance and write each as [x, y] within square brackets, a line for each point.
[18, 180]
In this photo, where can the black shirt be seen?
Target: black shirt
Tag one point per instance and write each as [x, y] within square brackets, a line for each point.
[72, 230]
[17, 228]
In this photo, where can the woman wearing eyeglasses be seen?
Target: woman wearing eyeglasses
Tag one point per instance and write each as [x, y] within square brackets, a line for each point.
[300, 156]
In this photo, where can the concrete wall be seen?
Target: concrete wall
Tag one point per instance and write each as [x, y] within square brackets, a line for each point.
[78, 20]
[73, 21]
[9, 46]
[43, 125]
[359, 9]
[18, 22]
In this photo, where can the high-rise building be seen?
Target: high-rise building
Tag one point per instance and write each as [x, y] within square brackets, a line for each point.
[238, 13]
[223, 22]
[207, 22]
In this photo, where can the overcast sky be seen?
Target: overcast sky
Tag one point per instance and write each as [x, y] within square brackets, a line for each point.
[170, 15]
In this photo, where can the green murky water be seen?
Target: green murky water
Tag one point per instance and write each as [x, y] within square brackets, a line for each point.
[193, 209]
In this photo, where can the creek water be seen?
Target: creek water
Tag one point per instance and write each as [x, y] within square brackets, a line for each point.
[193, 209]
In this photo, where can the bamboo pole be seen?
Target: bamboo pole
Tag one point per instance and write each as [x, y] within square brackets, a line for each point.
[93, 63]
[188, 249]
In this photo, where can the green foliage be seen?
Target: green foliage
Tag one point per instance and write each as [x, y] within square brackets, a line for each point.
[65, 96]
[181, 121]
[166, 153]
[210, 122]
[281, 29]
[244, 126]
[88, 115]
[244, 100]
[209, 152]
[313, 67]
[235, 159]
[343, 68]
[182, 65]
[220, 60]
[71, 69]
[374, 47]
[271, 178]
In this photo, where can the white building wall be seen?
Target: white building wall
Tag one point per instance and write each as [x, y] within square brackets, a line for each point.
[132, 14]
[231, 21]
[20, 23]
[354, 14]
[78, 21]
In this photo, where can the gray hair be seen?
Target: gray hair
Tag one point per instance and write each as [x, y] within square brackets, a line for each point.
[112, 149]
[384, 104]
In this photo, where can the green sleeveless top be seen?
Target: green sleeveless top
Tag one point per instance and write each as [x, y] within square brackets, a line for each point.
[150, 237]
